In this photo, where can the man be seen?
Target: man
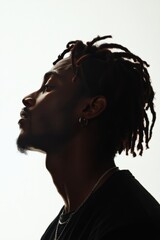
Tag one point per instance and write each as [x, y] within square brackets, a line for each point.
[92, 105]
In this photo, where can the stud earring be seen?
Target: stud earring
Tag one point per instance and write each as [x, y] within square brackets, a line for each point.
[83, 121]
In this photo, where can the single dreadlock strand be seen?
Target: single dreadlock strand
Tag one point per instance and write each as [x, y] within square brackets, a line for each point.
[129, 55]
[134, 137]
[153, 121]
[114, 46]
[71, 43]
[140, 134]
[98, 38]
[146, 129]
[128, 142]
[140, 147]
[61, 56]
[126, 50]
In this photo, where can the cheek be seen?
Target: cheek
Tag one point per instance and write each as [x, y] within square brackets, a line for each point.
[52, 117]
[56, 112]
[41, 117]
[61, 119]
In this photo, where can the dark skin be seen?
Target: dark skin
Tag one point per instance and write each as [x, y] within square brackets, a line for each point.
[72, 151]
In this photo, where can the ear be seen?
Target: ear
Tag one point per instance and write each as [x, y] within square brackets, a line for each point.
[94, 107]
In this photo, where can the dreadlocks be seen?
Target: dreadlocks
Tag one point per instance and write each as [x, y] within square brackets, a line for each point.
[113, 71]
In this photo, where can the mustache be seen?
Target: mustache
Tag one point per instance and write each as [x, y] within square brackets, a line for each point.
[25, 113]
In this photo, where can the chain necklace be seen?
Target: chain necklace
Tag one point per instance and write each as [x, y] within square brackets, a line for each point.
[65, 223]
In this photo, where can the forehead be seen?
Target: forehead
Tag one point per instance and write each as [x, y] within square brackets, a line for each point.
[63, 65]
[62, 70]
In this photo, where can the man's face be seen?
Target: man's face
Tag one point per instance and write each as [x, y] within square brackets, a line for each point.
[50, 116]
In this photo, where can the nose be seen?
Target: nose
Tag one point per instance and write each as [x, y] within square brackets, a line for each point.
[28, 101]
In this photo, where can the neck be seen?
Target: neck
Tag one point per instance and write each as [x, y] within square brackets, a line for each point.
[75, 171]
[75, 181]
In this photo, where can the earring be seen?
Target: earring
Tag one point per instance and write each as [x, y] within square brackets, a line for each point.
[83, 121]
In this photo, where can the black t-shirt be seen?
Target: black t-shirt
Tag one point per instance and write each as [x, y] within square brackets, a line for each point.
[120, 209]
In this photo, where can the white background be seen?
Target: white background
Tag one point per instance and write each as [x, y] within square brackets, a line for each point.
[32, 34]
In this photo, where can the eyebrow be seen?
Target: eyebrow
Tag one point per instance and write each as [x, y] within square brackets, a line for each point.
[50, 74]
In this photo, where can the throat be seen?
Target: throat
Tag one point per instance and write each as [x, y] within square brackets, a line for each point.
[76, 180]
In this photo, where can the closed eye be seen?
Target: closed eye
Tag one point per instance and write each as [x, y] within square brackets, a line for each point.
[48, 88]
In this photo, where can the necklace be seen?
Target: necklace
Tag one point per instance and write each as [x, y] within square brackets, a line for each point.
[63, 223]
[64, 217]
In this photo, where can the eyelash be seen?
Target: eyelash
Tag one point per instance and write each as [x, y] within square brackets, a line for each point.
[47, 88]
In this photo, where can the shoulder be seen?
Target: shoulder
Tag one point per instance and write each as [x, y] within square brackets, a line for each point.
[131, 232]
[123, 203]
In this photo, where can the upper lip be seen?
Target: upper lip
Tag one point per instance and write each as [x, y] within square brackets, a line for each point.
[24, 113]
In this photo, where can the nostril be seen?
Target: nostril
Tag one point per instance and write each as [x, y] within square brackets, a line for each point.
[28, 101]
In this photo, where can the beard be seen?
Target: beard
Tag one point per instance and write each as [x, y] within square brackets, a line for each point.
[44, 143]
[29, 142]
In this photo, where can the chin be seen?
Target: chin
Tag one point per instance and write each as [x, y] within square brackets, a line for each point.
[22, 144]
[29, 143]
[44, 143]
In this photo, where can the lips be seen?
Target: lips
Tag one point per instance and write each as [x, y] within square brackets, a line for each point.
[24, 117]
